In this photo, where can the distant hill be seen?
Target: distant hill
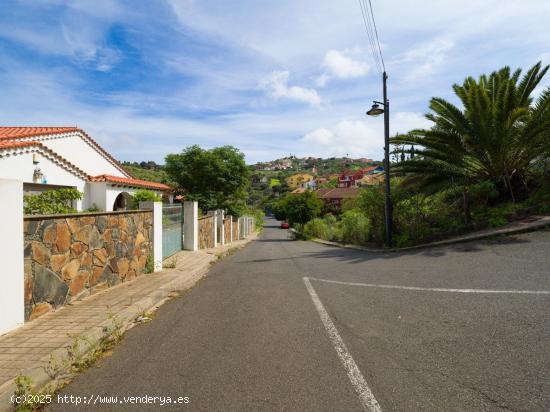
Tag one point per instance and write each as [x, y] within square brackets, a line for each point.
[318, 165]
[146, 171]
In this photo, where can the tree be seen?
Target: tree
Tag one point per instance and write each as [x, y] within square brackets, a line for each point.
[498, 135]
[217, 178]
[298, 208]
[59, 201]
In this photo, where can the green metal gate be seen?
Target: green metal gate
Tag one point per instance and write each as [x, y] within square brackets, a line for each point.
[172, 229]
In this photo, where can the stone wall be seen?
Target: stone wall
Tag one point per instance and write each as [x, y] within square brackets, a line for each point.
[227, 229]
[206, 232]
[71, 256]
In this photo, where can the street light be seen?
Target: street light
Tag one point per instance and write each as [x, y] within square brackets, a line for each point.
[376, 110]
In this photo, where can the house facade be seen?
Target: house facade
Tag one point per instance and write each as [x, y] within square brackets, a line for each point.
[334, 198]
[352, 178]
[48, 158]
[296, 180]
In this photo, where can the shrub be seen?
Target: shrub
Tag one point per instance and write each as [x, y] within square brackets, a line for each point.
[57, 201]
[144, 195]
[497, 221]
[278, 209]
[298, 208]
[356, 227]
[317, 228]
[94, 208]
[371, 203]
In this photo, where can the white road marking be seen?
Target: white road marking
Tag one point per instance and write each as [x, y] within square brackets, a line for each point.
[367, 399]
[488, 291]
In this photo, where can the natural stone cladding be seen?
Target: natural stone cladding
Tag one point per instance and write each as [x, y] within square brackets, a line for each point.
[68, 257]
[227, 229]
[206, 232]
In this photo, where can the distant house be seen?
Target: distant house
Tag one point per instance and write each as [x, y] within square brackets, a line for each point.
[310, 184]
[321, 181]
[298, 191]
[333, 198]
[371, 180]
[351, 178]
[47, 158]
[374, 170]
[296, 180]
[283, 164]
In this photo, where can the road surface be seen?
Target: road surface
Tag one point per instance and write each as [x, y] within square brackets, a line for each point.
[298, 326]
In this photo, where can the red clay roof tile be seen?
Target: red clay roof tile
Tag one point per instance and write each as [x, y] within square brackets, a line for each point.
[130, 182]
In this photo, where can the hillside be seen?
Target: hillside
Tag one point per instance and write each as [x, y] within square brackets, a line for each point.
[146, 171]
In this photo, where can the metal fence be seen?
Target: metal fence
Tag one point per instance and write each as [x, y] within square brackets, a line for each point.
[172, 229]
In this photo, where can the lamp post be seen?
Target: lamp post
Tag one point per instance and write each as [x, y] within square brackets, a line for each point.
[376, 110]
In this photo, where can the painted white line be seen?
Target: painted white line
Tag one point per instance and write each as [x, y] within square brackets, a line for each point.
[367, 399]
[489, 291]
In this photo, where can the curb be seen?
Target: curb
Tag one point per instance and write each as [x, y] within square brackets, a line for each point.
[531, 227]
[40, 379]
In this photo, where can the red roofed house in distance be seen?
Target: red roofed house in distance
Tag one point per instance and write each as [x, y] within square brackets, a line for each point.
[47, 158]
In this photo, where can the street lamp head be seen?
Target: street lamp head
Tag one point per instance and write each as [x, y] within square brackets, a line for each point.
[375, 110]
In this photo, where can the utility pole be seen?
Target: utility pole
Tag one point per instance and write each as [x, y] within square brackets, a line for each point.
[376, 111]
[387, 161]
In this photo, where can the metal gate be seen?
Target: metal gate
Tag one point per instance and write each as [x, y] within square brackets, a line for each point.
[172, 229]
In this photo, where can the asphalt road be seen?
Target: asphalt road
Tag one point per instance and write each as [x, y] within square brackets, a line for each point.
[250, 337]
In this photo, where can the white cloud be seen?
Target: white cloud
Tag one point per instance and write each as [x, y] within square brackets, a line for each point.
[276, 86]
[358, 138]
[403, 122]
[425, 59]
[342, 65]
[353, 137]
[320, 136]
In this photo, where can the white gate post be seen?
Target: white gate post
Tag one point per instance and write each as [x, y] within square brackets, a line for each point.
[238, 228]
[12, 292]
[215, 214]
[156, 207]
[230, 228]
[191, 226]
[220, 225]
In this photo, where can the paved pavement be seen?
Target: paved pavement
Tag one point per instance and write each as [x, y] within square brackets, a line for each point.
[458, 328]
[29, 348]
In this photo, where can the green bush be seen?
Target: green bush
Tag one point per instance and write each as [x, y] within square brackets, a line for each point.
[144, 195]
[94, 208]
[356, 227]
[298, 232]
[317, 228]
[298, 208]
[371, 203]
[278, 209]
[498, 221]
[57, 201]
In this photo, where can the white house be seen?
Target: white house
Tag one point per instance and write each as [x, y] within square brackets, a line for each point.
[47, 158]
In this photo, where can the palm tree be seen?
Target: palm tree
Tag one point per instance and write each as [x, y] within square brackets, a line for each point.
[498, 135]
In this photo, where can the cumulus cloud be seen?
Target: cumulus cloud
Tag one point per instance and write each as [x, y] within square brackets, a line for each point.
[276, 86]
[358, 138]
[353, 137]
[425, 59]
[342, 65]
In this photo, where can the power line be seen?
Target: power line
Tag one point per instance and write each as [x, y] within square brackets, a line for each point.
[376, 33]
[370, 34]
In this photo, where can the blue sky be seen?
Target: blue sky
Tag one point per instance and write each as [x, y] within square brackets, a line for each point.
[147, 78]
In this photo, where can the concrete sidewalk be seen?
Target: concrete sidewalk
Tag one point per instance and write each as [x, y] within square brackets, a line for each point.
[521, 226]
[28, 349]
